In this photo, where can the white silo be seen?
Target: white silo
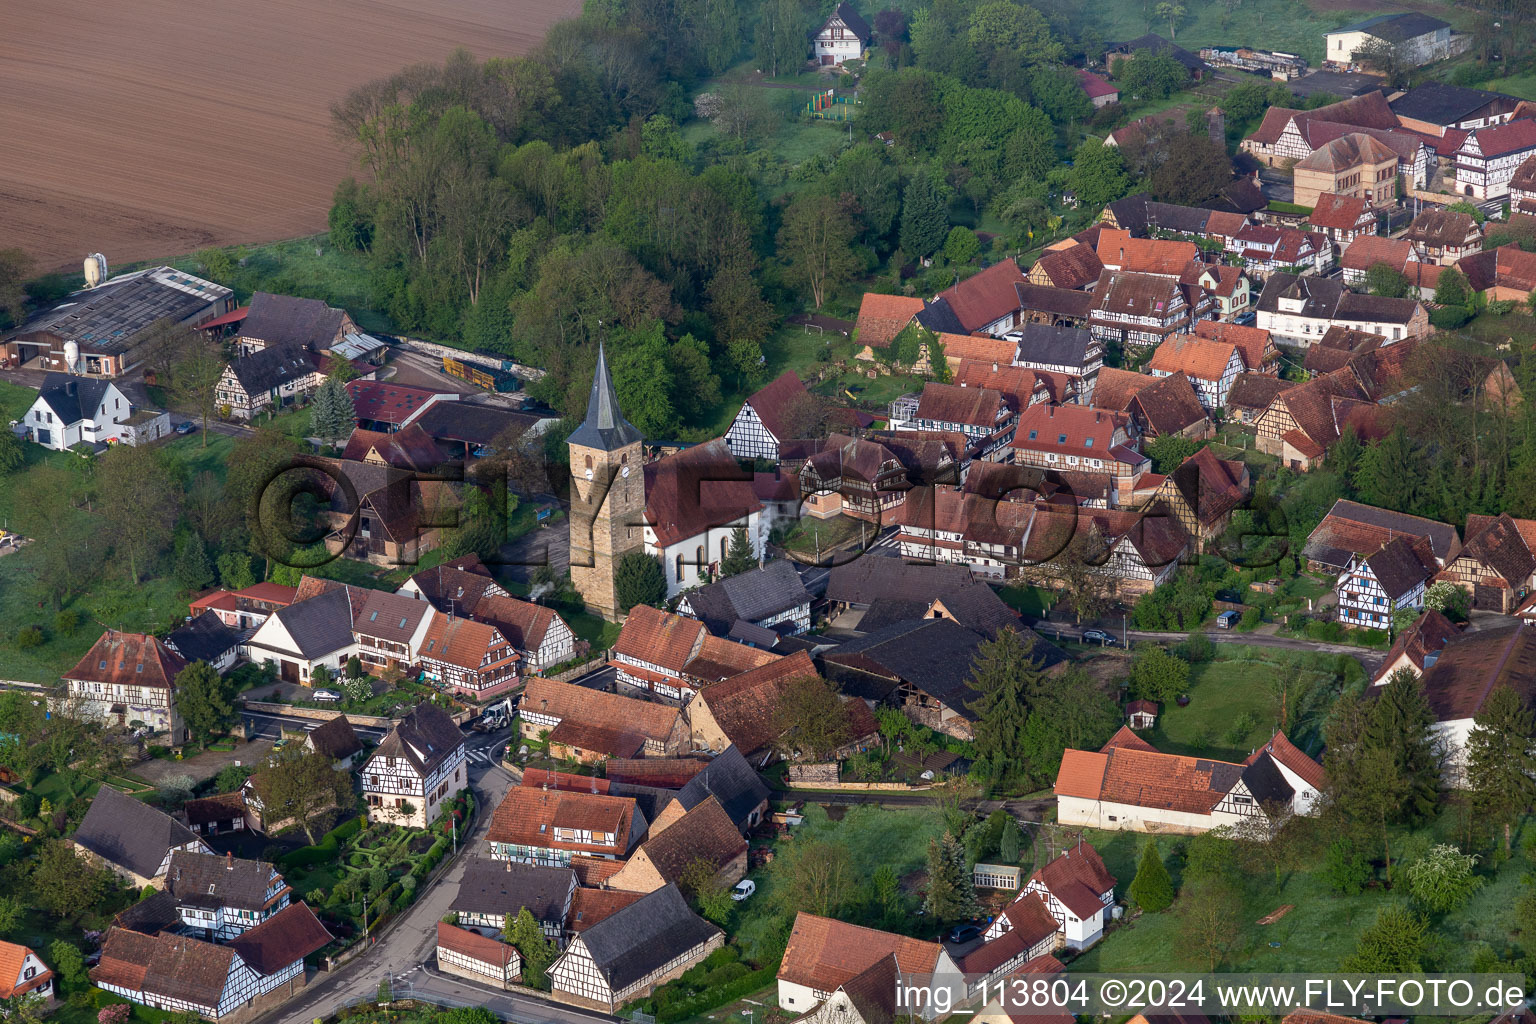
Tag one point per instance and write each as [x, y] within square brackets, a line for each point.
[72, 352]
[95, 269]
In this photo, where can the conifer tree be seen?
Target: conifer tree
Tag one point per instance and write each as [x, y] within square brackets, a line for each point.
[924, 220]
[1500, 768]
[1007, 679]
[951, 897]
[1401, 726]
[738, 557]
[1152, 889]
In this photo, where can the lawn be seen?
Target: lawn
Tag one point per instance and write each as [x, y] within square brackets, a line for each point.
[1031, 602]
[1234, 702]
[1320, 930]
[1523, 86]
[814, 539]
[15, 400]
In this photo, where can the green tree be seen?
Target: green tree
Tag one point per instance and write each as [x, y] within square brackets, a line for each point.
[1389, 472]
[302, 786]
[1169, 452]
[700, 884]
[1402, 725]
[1209, 913]
[1193, 170]
[924, 218]
[63, 883]
[809, 719]
[1393, 944]
[1005, 677]
[1345, 870]
[195, 381]
[537, 951]
[235, 570]
[15, 269]
[1382, 279]
[333, 415]
[1452, 288]
[1152, 889]
[817, 242]
[351, 217]
[12, 453]
[1157, 675]
[206, 701]
[12, 913]
[951, 896]
[639, 579]
[192, 569]
[961, 246]
[1501, 771]
[819, 878]
[1098, 174]
[739, 557]
[1443, 879]
[139, 503]
[1173, 12]
[1008, 842]
[67, 959]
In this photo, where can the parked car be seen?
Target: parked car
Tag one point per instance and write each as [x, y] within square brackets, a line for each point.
[1227, 619]
[744, 888]
[327, 695]
[185, 427]
[963, 933]
[1100, 637]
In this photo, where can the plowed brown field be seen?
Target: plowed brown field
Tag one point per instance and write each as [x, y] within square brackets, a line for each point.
[147, 128]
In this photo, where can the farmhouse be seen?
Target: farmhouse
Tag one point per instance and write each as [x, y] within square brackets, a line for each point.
[1254, 344]
[131, 838]
[626, 956]
[1100, 92]
[105, 331]
[982, 415]
[1444, 236]
[127, 679]
[223, 897]
[824, 954]
[1342, 218]
[771, 597]
[287, 321]
[1077, 892]
[266, 379]
[1252, 393]
[1137, 309]
[881, 318]
[1495, 564]
[388, 407]
[1202, 492]
[469, 658]
[1076, 266]
[1420, 38]
[493, 892]
[306, 635]
[842, 37]
[390, 631]
[1082, 438]
[1210, 365]
[464, 587]
[1437, 108]
[1047, 304]
[704, 832]
[549, 826]
[1053, 349]
[1467, 669]
[1351, 529]
[548, 705]
[1169, 405]
[416, 768]
[1374, 586]
[477, 957]
[985, 303]
[409, 448]
[1507, 272]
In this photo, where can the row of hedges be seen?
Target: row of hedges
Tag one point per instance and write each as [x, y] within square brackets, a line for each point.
[707, 1000]
[326, 850]
[717, 980]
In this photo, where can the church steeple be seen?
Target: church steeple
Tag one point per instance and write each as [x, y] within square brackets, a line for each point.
[605, 427]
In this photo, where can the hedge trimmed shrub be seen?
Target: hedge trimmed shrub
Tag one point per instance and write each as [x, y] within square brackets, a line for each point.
[710, 998]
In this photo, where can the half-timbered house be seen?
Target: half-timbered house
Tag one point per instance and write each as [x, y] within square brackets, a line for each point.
[1079, 892]
[464, 587]
[1489, 157]
[824, 954]
[986, 303]
[1376, 585]
[626, 956]
[1497, 562]
[468, 658]
[779, 410]
[1444, 236]
[128, 679]
[1137, 309]
[981, 414]
[494, 892]
[845, 475]
[390, 631]
[771, 597]
[418, 766]
[1080, 438]
[548, 827]
[269, 378]
[547, 705]
[221, 897]
[704, 833]
[1210, 365]
[1201, 493]
[476, 957]
[842, 37]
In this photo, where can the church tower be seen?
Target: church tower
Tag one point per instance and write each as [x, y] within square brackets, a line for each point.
[607, 495]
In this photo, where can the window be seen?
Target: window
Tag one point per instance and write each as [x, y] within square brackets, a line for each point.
[1034, 434]
[1061, 438]
[679, 568]
[1088, 443]
[589, 462]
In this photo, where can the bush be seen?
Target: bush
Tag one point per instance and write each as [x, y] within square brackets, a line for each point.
[66, 622]
[708, 999]
[1251, 618]
[1197, 649]
[1448, 318]
[29, 638]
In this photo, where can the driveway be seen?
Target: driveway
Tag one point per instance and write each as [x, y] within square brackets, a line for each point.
[205, 765]
[412, 938]
[543, 545]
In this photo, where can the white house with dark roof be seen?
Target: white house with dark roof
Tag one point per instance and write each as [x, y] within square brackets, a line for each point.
[219, 898]
[772, 597]
[1418, 37]
[305, 635]
[493, 892]
[288, 321]
[842, 37]
[417, 768]
[391, 630]
[71, 410]
[267, 378]
[770, 417]
[1488, 158]
[694, 501]
[1376, 584]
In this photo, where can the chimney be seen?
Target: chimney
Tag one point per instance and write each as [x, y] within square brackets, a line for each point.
[72, 388]
[229, 861]
[1052, 413]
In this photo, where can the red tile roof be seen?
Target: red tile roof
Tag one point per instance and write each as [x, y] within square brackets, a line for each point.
[1095, 86]
[1368, 250]
[1193, 356]
[985, 297]
[697, 489]
[529, 817]
[389, 403]
[1115, 387]
[950, 403]
[1144, 255]
[476, 946]
[744, 705]
[1077, 878]
[1341, 213]
[12, 958]
[128, 659]
[1146, 778]
[1502, 139]
[589, 906]
[1124, 737]
[1020, 385]
[590, 706]
[974, 346]
[1287, 753]
[463, 643]
[1252, 342]
[882, 317]
[823, 953]
[409, 447]
[774, 403]
[1085, 429]
[660, 638]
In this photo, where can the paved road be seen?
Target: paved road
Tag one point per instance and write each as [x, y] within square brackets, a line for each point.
[264, 724]
[1368, 658]
[429, 983]
[412, 938]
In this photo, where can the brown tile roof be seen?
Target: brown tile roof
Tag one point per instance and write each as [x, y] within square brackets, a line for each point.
[1473, 664]
[594, 871]
[1143, 295]
[475, 946]
[286, 937]
[1144, 255]
[660, 638]
[774, 402]
[1086, 429]
[1193, 356]
[597, 739]
[698, 488]
[1169, 405]
[882, 317]
[1508, 266]
[705, 832]
[1147, 778]
[1427, 635]
[1115, 387]
[589, 906]
[1499, 544]
[335, 739]
[1509, 137]
[959, 347]
[1287, 753]
[528, 817]
[1351, 150]
[1020, 385]
[1352, 528]
[823, 954]
[168, 966]
[583, 704]
[1075, 267]
[743, 706]
[1066, 302]
[1029, 928]
[1077, 878]
[664, 772]
[462, 642]
[523, 623]
[1314, 1017]
[410, 447]
[549, 778]
[1338, 346]
[720, 658]
[219, 808]
[985, 297]
[950, 403]
[1251, 342]
[1211, 486]
[1368, 250]
[1341, 213]
[1442, 228]
[128, 659]
[390, 616]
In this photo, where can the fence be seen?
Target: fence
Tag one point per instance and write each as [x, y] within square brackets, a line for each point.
[587, 667]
